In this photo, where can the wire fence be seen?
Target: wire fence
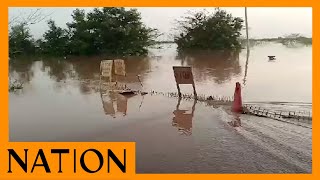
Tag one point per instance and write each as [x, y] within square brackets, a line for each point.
[288, 116]
[299, 116]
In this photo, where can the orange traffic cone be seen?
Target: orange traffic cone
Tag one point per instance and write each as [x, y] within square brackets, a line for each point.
[237, 101]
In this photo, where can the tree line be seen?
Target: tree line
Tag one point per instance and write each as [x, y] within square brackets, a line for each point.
[120, 31]
[101, 31]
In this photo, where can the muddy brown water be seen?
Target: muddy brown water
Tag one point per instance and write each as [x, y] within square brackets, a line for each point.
[61, 101]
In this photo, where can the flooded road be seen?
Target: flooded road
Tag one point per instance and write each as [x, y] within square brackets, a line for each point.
[61, 101]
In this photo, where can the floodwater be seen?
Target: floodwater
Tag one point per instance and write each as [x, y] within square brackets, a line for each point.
[61, 101]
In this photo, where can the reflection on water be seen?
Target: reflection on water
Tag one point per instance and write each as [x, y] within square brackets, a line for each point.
[112, 98]
[108, 103]
[21, 70]
[214, 73]
[57, 69]
[235, 121]
[64, 100]
[182, 120]
[218, 67]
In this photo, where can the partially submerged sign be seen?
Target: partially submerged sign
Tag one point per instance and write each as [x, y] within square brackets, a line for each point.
[120, 68]
[106, 68]
[183, 75]
[110, 68]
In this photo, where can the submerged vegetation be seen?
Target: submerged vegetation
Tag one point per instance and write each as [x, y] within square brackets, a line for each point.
[14, 85]
[209, 31]
[115, 31]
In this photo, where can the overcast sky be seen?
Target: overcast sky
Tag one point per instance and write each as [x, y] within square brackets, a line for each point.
[263, 22]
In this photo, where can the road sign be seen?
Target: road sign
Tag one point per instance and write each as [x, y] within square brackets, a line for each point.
[183, 75]
[106, 68]
[120, 68]
[110, 68]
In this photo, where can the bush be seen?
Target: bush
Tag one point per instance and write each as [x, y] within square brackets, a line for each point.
[209, 31]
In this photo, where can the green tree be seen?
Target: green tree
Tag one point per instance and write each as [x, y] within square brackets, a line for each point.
[80, 37]
[115, 31]
[209, 31]
[20, 40]
[55, 40]
[108, 31]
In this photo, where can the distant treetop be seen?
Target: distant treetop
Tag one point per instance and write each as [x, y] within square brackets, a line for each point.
[209, 31]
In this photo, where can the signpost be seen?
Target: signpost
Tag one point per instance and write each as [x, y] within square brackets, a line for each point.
[120, 68]
[109, 68]
[183, 75]
[106, 68]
